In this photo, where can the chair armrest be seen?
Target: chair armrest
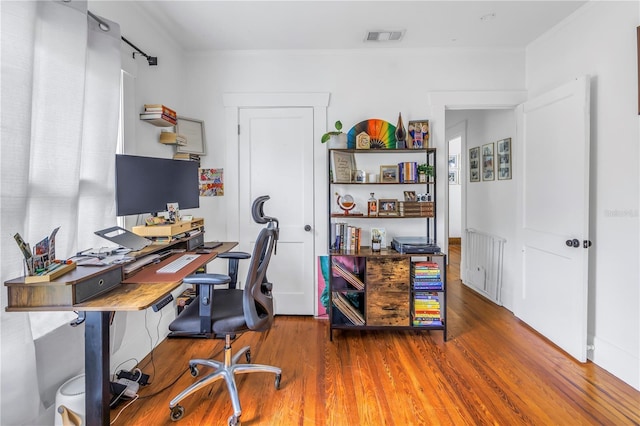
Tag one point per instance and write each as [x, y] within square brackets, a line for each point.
[207, 279]
[233, 255]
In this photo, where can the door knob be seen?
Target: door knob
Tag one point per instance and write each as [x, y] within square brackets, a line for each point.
[307, 228]
[573, 243]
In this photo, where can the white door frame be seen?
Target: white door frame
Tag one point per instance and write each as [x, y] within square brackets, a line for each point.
[441, 101]
[233, 102]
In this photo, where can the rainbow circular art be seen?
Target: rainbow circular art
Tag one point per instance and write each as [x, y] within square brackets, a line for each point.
[382, 134]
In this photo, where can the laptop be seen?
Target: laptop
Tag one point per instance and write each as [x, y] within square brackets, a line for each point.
[124, 238]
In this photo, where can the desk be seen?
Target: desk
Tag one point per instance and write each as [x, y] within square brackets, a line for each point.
[125, 297]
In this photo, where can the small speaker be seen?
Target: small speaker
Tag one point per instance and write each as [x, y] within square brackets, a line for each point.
[195, 242]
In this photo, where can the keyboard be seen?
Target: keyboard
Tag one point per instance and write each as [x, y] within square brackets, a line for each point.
[175, 265]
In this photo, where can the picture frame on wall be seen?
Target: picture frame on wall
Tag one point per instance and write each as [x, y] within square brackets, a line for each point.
[488, 165]
[504, 159]
[474, 164]
[418, 134]
[453, 177]
[453, 161]
[193, 130]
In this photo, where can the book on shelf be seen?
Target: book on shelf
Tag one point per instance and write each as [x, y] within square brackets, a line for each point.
[340, 271]
[408, 172]
[172, 138]
[158, 118]
[347, 309]
[346, 238]
[149, 108]
[186, 156]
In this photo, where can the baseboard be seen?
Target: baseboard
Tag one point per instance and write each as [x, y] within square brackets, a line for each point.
[616, 361]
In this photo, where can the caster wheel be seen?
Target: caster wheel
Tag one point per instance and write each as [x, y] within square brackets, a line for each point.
[248, 356]
[194, 370]
[234, 421]
[177, 412]
[278, 377]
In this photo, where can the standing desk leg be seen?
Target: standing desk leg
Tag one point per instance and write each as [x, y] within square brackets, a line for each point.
[96, 366]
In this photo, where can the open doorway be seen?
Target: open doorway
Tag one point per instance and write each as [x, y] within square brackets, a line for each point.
[455, 136]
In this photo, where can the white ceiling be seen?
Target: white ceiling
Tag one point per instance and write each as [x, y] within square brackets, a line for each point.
[325, 24]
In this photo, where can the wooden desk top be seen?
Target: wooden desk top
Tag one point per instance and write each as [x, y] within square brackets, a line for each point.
[131, 296]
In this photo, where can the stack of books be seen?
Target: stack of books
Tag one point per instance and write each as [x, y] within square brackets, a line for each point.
[186, 156]
[172, 138]
[426, 309]
[426, 276]
[159, 115]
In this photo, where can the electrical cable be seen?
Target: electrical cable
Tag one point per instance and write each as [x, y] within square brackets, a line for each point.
[123, 408]
[213, 355]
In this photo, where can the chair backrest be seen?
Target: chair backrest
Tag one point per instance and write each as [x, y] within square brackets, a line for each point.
[257, 297]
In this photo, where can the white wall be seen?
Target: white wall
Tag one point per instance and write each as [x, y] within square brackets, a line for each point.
[363, 84]
[491, 205]
[600, 40]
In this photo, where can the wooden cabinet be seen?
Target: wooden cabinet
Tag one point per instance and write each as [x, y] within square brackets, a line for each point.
[384, 289]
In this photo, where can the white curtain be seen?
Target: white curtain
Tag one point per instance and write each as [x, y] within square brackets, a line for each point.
[60, 104]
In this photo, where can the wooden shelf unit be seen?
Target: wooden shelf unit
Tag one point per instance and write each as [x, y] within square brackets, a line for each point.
[390, 297]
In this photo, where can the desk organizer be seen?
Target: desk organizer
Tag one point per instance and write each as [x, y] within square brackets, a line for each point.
[168, 230]
[52, 275]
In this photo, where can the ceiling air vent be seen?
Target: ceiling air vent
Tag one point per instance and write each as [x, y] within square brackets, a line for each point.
[385, 35]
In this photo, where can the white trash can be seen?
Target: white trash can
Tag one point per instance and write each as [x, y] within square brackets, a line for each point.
[70, 402]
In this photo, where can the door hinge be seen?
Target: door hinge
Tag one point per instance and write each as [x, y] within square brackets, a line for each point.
[238, 129]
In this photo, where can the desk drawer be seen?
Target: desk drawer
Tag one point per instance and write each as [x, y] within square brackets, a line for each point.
[77, 286]
[387, 308]
[96, 285]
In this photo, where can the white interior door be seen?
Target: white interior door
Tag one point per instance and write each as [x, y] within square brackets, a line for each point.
[554, 132]
[276, 159]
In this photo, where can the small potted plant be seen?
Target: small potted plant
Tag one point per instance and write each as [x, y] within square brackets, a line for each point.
[336, 138]
[424, 171]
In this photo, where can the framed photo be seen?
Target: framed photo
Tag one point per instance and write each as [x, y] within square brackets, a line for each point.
[453, 161]
[474, 164]
[418, 134]
[453, 177]
[389, 174]
[387, 207]
[381, 233]
[410, 195]
[504, 159]
[193, 130]
[487, 162]
[343, 166]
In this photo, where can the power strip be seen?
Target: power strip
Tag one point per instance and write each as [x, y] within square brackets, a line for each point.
[132, 387]
[163, 302]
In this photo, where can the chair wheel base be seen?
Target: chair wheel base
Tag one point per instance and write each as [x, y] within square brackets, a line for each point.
[234, 421]
[177, 412]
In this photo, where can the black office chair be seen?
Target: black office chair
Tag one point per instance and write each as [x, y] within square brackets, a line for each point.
[229, 312]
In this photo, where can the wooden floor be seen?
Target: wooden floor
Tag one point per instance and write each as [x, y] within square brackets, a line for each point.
[492, 370]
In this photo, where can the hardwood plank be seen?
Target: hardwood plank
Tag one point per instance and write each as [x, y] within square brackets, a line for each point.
[493, 370]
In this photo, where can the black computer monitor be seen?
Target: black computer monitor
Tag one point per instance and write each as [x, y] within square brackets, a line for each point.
[146, 184]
